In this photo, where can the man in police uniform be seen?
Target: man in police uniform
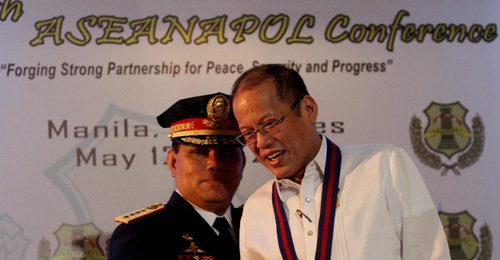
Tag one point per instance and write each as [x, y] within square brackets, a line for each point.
[207, 164]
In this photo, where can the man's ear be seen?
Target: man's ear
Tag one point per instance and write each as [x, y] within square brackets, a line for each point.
[171, 160]
[310, 108]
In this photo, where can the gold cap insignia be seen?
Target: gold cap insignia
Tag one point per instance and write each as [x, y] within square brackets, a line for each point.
[218, 108]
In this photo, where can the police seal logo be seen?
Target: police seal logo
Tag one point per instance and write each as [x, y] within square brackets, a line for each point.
[447, 133]
[78, 242]
[462, 240]
[218, 108]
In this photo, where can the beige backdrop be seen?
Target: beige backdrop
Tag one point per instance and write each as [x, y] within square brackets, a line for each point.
[68, 68]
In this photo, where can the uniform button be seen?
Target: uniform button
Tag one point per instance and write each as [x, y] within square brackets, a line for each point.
[308, 199]
[309, 233]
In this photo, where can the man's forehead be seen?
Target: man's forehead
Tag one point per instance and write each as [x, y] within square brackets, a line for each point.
[255, 79]
[253, 84]
[261, 94]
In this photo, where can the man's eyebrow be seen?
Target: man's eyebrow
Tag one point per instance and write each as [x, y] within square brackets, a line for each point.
[263, 118]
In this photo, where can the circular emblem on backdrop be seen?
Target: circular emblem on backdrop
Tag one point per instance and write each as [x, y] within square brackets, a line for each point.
[447, 133]
[218, 108]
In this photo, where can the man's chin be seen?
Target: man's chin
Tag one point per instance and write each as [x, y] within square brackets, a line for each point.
[216, 195]
[214, 187]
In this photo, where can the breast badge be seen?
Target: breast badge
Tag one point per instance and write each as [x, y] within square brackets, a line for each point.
[193, 252]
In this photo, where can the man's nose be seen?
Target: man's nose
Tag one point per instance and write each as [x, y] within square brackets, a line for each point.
[214, 161]
[262, 140]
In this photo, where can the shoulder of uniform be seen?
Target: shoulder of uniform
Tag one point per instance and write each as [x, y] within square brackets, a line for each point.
[140, 213]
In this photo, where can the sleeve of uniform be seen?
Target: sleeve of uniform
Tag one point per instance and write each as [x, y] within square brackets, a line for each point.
[411, 206]
[124, 244]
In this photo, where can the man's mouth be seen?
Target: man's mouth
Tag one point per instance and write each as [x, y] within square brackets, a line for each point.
[274, 156]
[218, 177]
[215, 180]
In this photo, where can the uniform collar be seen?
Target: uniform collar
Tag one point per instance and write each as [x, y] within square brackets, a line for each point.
[209, 216]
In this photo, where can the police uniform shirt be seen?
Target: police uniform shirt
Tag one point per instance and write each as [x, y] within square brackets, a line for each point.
[210, 217]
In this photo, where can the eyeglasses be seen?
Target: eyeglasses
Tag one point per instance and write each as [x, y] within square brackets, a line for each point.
[269, 127]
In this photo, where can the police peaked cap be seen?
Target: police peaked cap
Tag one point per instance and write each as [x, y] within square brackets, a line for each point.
[206, 120]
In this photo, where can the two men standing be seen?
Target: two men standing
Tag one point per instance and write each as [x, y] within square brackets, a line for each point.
[325, 202]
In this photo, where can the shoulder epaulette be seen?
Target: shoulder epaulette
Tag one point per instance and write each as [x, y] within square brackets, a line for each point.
[140, 213]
